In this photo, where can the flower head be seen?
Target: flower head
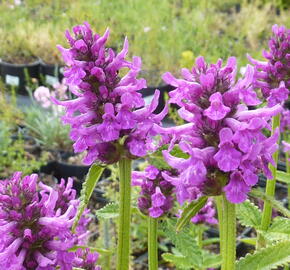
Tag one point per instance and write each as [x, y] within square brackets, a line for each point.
[224, 141]
[156, 196]
[108, 107]
[272, 76]
[36, 221]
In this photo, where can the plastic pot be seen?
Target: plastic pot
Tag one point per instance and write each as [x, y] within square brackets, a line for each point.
[13, 75]
[148, 93]
[50, 73]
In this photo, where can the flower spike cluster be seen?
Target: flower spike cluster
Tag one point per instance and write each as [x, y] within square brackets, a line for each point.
[224, 140]
[108, 107]
[273, 76]
[35, 225]
[156, 196]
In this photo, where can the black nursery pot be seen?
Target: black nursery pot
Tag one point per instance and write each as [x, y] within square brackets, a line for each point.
[50, 73]
[148, 93]
[64, 170]
[13, 75]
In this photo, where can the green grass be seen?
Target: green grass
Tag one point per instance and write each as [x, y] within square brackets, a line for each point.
[158, 31]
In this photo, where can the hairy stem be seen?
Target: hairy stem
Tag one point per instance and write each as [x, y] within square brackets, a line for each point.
[152, 243]
[123, 249]
[200, 231]
[270, 190]
[227, 225]
[288, 172]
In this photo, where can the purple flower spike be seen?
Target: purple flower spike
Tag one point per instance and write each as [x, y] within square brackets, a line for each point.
[217, 110]
[108, 107]
[156, 194]
[272, 76]
[236, 190]
[224, 140]
[35, 221]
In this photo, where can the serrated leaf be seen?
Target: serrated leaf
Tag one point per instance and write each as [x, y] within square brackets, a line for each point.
[267, 258]
[184, 243]
[111, 210]
[211, 260]
[88, 187]
[177, 260]
[283, 177]
[249, 214]
[274, 203]
[279, 230]
[190, 211]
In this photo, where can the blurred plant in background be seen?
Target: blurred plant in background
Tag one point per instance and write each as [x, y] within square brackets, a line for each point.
[212, 28]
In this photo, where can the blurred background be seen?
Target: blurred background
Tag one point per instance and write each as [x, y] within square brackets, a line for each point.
[167, 34]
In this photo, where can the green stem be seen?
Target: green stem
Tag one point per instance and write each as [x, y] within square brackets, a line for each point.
[123, 249]
[227, 225]
[107, 259]
[200, 231]
[219, 205]
[288, 171]
[270, 189]
[152, 243]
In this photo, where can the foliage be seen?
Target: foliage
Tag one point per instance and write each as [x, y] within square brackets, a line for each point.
[111, 210]
[190, 211]
[187, 253]
[92, 178]
[165, 32]
[249, 214]
[47, 128]
[274, 203]
[267, 258]
[14, 156]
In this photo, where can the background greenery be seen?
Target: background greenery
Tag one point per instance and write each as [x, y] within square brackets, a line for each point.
[167, 34]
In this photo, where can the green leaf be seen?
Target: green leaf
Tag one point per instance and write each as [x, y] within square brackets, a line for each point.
[88, 187]
[279, 230]
[190, 211]
[177, 260]
[249, 214]
[92, 249]
[177, 152]
[283, 177]
[249, 241]
[184, 242]
[210, 241]
[257, 193]
[111, 210]
[157, 160]
[267, 258]
[211, 260]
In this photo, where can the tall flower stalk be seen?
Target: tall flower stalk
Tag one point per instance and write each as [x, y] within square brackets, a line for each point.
[108, 117]
[223, 140]
[272, 77]
[155, 200]
[270, 188]
[152, 243]
[123, 249]
[227, 228]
